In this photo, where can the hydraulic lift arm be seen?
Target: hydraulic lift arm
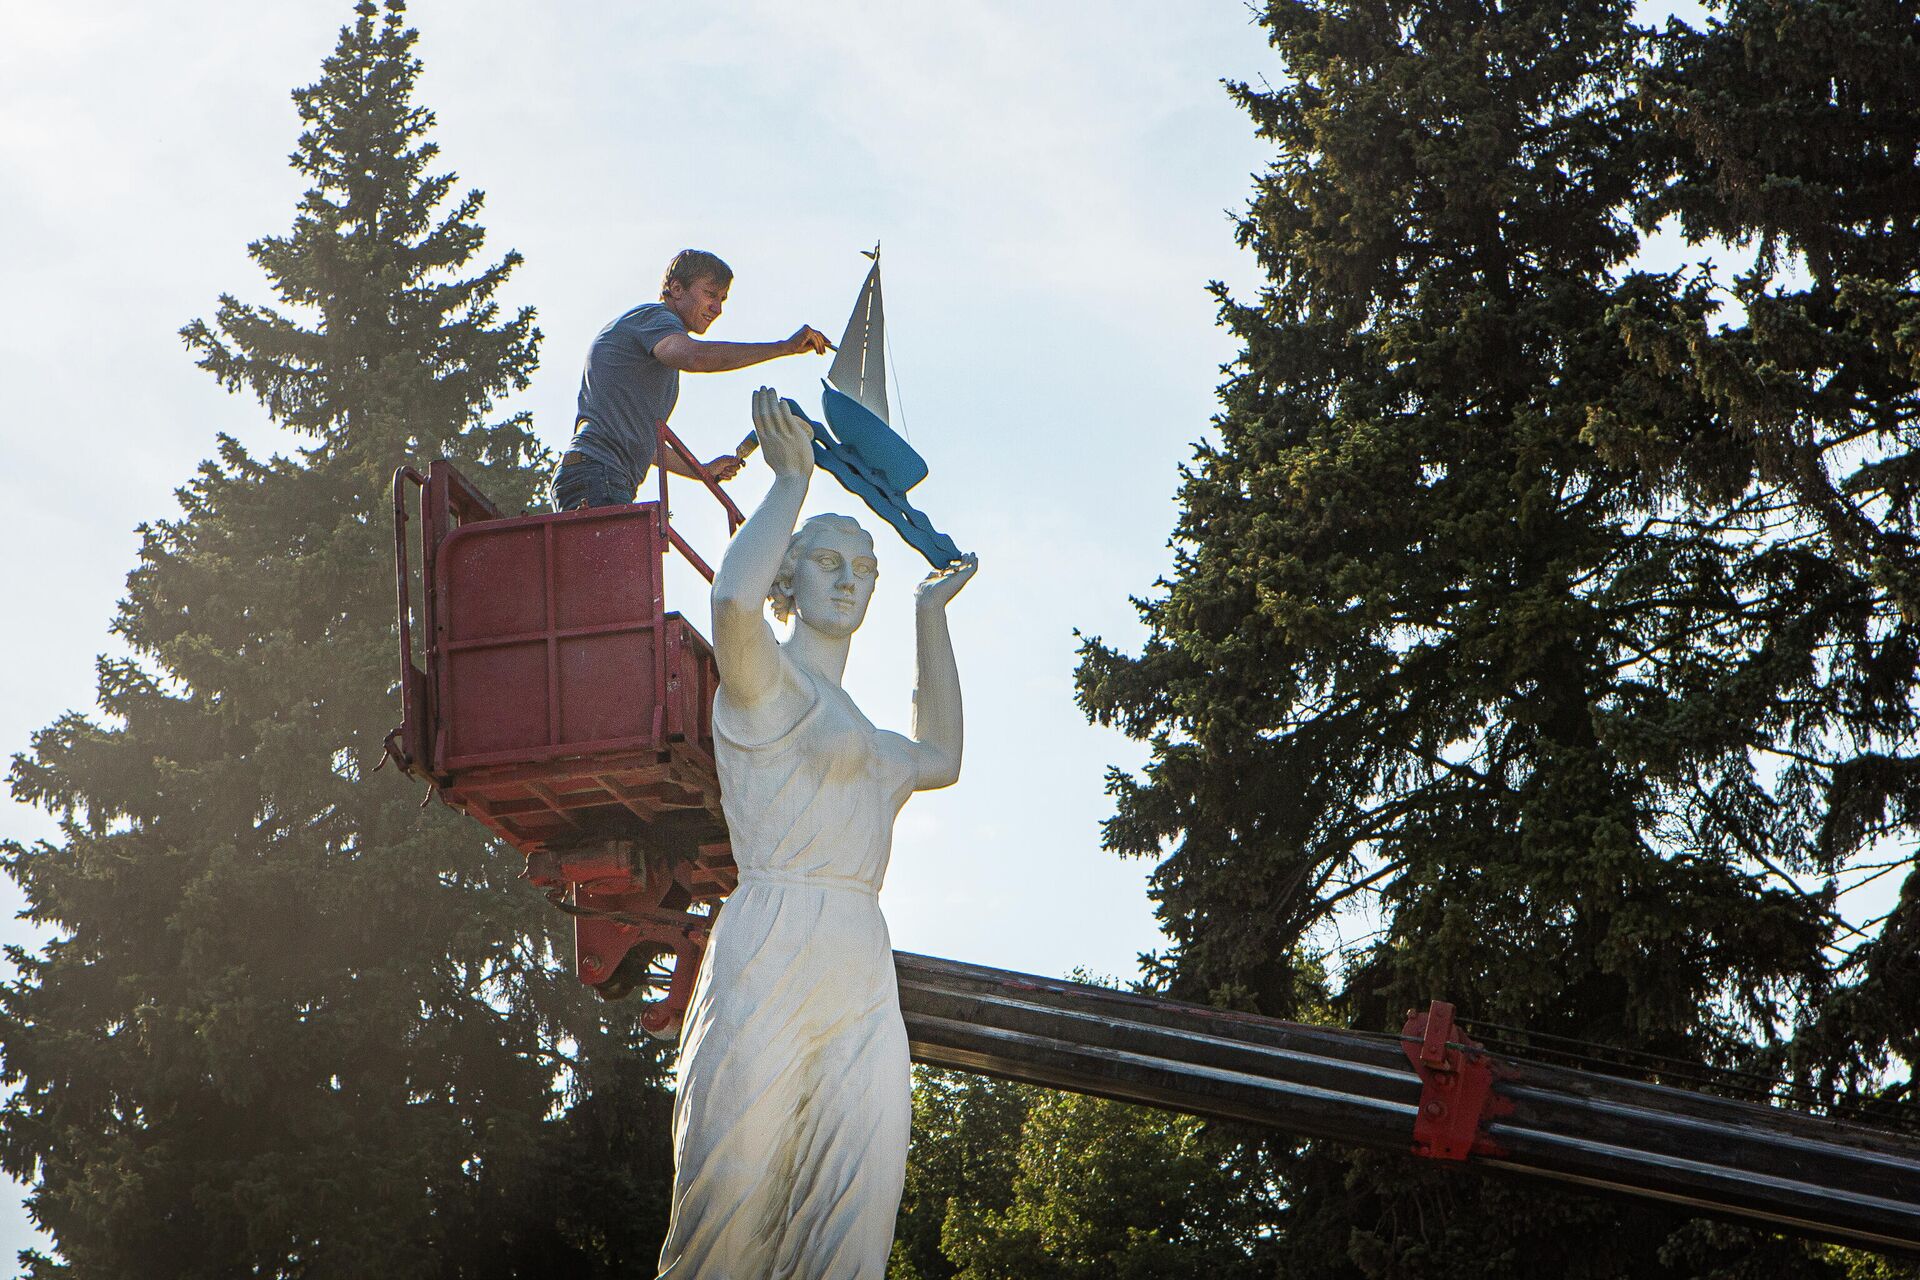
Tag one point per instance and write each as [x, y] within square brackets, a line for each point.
[1430, 1091]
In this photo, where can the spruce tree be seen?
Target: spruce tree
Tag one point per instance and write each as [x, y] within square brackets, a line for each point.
[1479, 622]
[1799, 136]
[293, 1023]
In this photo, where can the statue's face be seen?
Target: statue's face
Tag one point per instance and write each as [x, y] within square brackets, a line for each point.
[833, 581]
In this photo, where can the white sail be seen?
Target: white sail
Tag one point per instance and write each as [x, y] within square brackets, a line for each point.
[860, 367]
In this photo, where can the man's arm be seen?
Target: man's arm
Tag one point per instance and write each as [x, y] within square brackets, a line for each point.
[689, 354]
[724, 467]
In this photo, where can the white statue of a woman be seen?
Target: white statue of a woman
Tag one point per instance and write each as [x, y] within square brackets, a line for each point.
[790, 1125]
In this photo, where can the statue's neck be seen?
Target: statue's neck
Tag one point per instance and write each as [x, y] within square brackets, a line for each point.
[824, 656]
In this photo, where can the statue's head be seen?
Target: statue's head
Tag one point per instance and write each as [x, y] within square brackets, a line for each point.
[827, 576]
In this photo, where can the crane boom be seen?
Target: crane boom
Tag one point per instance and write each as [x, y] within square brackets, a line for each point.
[1430, 1091]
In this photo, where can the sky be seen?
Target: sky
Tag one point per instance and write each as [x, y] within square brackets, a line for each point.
[1052, 185]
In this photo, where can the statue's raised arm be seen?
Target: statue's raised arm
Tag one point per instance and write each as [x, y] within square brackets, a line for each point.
[937, 723]
[757, 691]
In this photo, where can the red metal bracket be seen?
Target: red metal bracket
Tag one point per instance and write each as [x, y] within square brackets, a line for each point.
[407, 745]
[621, 904]
[735, 517]
[1456, 1087]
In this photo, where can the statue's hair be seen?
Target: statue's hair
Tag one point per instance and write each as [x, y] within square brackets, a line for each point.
[781, 596]
[690, 266]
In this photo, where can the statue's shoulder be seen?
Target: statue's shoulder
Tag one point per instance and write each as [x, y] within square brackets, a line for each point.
[774, 721]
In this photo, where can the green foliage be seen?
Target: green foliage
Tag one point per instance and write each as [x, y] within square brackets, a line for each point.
[1803, 139]
[1526, 605]
[966, 1136]
[292, 1023]
[1010, 1182]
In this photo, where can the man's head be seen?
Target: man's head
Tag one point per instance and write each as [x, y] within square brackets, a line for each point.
[695, 288]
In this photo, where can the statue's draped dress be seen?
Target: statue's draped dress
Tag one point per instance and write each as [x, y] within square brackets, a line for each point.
[790, 1124]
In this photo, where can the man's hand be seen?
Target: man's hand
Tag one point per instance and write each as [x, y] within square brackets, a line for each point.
[725, 467]
[786, 440]
[942, 585]
[807, 338]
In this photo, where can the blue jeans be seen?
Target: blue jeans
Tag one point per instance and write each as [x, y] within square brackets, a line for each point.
[581, 482]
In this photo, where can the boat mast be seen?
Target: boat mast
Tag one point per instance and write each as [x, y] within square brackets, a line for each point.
[859, 369]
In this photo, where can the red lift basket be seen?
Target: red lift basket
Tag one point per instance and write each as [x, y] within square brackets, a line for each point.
[556, 700]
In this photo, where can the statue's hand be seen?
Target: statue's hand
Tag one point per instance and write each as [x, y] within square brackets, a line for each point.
[943, 585]
[786, 440]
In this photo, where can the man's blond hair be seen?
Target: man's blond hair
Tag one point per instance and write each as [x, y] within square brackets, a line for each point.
[690, 265]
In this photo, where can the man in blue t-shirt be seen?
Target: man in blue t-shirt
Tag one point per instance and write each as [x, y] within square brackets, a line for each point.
[632, 380]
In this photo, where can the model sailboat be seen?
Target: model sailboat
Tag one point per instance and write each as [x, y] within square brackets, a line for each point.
[860, 449]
